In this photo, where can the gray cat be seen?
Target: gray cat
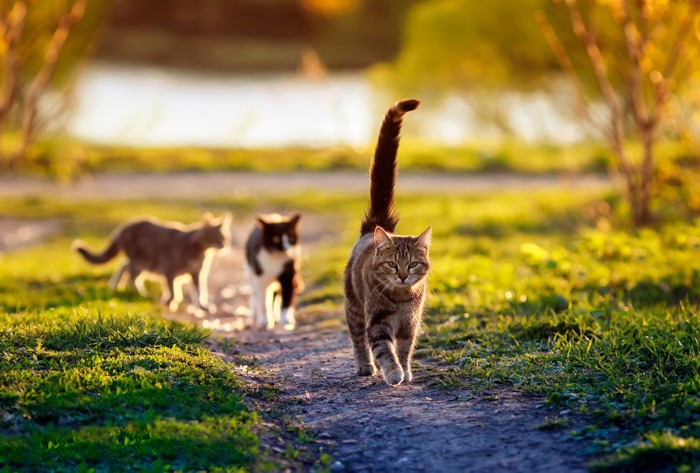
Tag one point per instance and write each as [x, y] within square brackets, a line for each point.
[171, 251]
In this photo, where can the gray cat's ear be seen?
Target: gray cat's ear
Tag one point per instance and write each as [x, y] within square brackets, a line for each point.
[381, 237]
[424, 238]
[207, 218]
[294, 219]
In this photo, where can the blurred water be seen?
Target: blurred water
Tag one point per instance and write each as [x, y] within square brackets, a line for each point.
[158, 107]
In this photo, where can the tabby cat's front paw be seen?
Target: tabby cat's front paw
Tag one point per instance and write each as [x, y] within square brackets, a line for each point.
[366, 370]
[394, 378]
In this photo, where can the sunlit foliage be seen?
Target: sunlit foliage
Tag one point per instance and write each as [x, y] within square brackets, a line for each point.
[41, 44]
[330, 7]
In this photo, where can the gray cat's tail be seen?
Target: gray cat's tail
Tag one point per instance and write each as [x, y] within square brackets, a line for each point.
[107, 255]
[382, 171]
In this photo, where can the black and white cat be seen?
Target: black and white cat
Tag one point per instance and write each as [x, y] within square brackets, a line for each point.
[273, 262]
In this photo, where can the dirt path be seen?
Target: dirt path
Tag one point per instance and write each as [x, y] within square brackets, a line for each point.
[367, 426]
[249, 184]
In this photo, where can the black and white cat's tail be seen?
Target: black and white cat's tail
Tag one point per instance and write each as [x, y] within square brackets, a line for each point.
[382, 171]
[107, 255]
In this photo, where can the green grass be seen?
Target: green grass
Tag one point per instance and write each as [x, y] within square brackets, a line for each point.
[543, 292]
[96, 381]
[540, 292]
[65, 158]
[94, 386]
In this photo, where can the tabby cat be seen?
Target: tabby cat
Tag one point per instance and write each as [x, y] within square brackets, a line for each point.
[386, 276]
[170, 251]
[273, 259]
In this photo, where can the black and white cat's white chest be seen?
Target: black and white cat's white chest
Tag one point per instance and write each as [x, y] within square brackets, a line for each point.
[273, 264]
[273, 245]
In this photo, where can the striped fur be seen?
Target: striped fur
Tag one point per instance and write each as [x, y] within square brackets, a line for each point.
[386, 275]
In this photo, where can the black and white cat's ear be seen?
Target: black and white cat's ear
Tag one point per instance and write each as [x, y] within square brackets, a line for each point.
[294, 219]
[260, 221]
[226, 219]
[381, 237]
[423, 240]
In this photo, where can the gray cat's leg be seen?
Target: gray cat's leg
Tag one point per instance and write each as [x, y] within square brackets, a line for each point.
[136, 279]
[200, 295]
[382, 341]
[137, 284]
[118, 276]
[170, 294]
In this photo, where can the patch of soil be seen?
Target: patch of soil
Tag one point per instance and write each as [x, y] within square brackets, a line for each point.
[189, 185]
[367, 426]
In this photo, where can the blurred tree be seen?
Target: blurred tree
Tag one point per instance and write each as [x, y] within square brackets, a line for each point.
[330, 7]
[462, 44]
[253, 35]
[655, 51]
[41, 44]
[634, 56]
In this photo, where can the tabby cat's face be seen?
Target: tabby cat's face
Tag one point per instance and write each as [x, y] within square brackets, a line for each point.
[279, 234]
[401, 260]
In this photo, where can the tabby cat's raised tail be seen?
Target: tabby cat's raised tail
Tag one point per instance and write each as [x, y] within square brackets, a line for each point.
[382, 172]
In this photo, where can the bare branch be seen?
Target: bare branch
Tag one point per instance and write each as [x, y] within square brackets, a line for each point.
[635, 42]
[663, 81]
[581, 103]
[13, 27]
[590, 42]
[43, 77]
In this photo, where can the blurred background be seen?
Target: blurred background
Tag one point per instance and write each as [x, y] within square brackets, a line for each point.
[169, 85]
[244, 73]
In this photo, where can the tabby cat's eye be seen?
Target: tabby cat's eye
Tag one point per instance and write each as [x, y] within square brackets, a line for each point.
[412, 264]
[392, 265]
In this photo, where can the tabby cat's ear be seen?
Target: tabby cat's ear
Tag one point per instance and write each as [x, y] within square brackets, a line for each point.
[381, 237]
[423, 240]
[226, 219]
